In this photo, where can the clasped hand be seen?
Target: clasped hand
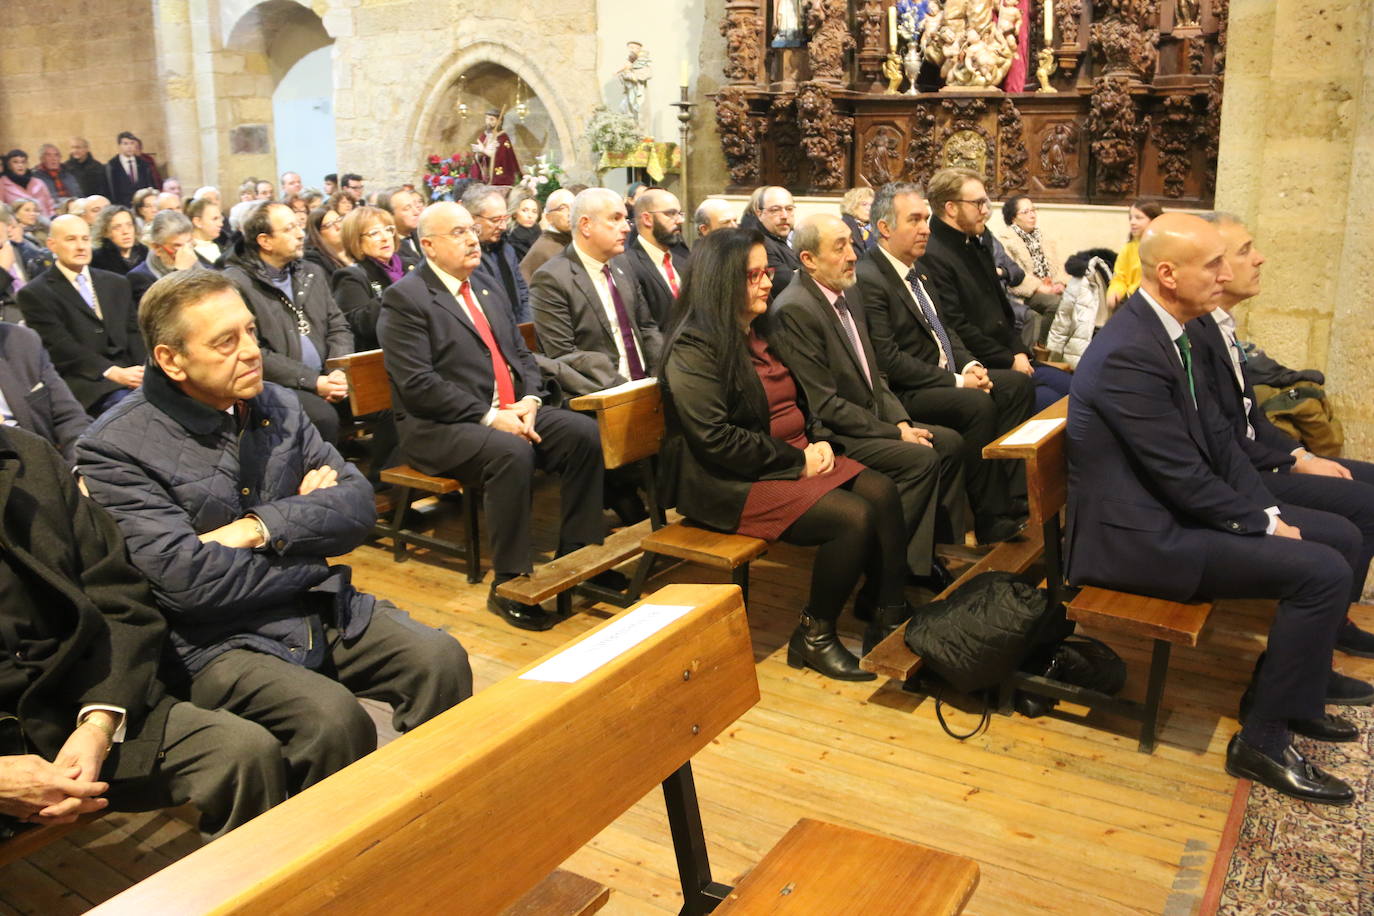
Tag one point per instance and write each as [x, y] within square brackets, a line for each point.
[518, 420]
[820, 459]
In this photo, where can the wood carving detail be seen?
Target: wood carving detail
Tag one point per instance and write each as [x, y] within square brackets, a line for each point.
[742, 29]
[1123, 40]
[825, 135]
[882, 159]
[1112, 120]
[1011, 141]
[1068, 14]
[1173, 135]
[782, 118]
[965, 142]
[738, 135]
[828, 25]
[923, 150]
[1058, 150]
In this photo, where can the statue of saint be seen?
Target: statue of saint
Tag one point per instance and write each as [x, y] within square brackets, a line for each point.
[634, 78]
[787, 22]
[495, 156]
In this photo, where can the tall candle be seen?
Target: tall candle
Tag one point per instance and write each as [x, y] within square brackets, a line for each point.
[685, 73]
[892, 28]
[1049, 22]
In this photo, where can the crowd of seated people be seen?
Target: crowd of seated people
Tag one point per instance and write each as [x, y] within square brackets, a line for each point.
[828, 380]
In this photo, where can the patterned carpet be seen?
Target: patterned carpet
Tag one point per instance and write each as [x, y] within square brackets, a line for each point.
[1280, 856]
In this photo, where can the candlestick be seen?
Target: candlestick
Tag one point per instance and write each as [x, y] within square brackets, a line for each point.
[892, 28]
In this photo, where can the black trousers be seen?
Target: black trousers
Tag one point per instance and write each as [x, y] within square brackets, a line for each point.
[979, 418]
[570, 446]
[1311, 580]
[1352, 499]
[315, 715]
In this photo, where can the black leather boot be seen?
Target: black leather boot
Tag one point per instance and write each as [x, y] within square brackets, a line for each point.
[885, 620]
[815, 645]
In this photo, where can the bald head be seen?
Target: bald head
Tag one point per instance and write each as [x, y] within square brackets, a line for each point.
[69, 238]
[714, 213]
[1183, 264]
[94, 204]
[558, 210]
[823, 245]
[598, 223]
[445, 211]
[658, 217]
[448, 239]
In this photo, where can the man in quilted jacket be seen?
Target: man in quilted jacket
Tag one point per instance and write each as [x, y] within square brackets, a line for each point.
[230, 503]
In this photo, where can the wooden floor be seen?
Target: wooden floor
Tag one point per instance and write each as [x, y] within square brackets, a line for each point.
[1064, 819]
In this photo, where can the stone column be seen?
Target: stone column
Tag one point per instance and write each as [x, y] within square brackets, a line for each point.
[1297, 163]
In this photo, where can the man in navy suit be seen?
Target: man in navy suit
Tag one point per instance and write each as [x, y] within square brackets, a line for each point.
[1162, 501]
[657, 255]
[470, 403]
[1292, 473]
[128, 171]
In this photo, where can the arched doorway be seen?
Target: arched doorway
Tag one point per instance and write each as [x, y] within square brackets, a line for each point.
[490, 86]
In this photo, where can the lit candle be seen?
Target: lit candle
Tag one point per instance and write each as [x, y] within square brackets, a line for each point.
[1049, 22]
[685, 73]
[892, 28]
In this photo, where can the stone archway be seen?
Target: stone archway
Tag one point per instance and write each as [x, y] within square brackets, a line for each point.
[431, 117]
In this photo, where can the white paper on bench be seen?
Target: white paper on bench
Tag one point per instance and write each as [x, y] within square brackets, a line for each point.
[648, 382]
[576, 662]
[1033, 431]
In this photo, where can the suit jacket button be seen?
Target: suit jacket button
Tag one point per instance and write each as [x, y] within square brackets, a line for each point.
[245, 491]
[1234, 525]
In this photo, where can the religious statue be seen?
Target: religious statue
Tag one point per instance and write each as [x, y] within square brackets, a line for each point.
[634, 78]
[787, 19]
[1186, 12]
[1045, 59]
[892, 70]
[881, 153]
[974, 42]
[495, 161]
[1061, 142]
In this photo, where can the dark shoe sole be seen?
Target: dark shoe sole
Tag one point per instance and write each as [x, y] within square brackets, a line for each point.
[1337, 802]
[795, 660]
[536, 625]
[1360, 653]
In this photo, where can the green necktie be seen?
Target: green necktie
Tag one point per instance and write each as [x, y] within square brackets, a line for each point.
[1185, 352]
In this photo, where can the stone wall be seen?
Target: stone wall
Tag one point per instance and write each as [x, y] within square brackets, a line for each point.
[1296, 137]
[63, 73]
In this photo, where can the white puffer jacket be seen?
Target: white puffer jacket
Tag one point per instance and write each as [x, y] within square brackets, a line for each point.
[1082, 310]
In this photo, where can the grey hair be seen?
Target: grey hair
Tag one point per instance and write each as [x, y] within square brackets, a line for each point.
[885, 201]
[477, 194]
[589, 202]
[168, 224]
[807, 237]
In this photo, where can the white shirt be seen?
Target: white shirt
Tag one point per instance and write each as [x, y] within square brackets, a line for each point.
[85, 271]
[603, 289]
[1174, 330]
[454, 286]
[207, 250]
[902, 271]
[656, 255]
[130, 167]
[1227, 323]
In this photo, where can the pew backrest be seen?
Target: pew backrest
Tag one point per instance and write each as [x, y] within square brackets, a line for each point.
[368, 388]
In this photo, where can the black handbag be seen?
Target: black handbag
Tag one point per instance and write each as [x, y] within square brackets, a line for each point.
[1079, 660]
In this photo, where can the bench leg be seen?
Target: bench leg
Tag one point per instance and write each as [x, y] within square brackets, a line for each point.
[643, 570]
[699, 893]
[474, 545]
[1054, 573]
[1159, 669]
[740, 576]
[398, 540]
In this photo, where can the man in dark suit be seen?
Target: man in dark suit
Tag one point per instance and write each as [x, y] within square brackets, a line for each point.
[824, 341]
[500, 266]
[1292, 473]
[90, 174]
[405, 207]
[657, 254]
[776, 215]
[470, 403]
[1162, 501]
[587, 308]
[959, 258]
[926, 363]
[32, 394]
[128, 171]
[87, 320]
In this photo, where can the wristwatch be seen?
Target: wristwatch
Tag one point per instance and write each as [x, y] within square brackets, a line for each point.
[262, 531]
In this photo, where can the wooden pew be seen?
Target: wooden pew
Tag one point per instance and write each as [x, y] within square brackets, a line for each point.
[369, 390]
[470, 811]
[1166, 623]
[630, 421]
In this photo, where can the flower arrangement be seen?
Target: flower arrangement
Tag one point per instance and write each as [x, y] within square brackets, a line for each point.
[441, 173]
[545, 178]
[612, 131]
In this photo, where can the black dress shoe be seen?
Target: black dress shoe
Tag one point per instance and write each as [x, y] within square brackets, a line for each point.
[815, 645]
[1325, 728]
[1353, 641]
[997, 529]
[885, 620]
[521, 616]
[612, 579]
[1294, 776]
[1348, 691]
[937, 580]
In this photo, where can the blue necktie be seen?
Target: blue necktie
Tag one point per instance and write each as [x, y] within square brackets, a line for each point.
[83, 286]
[932, 319]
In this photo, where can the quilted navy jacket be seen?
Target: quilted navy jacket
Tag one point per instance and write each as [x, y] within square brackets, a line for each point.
[170, 468]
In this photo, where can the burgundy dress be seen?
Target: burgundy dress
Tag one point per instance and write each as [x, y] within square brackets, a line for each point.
[773, 505]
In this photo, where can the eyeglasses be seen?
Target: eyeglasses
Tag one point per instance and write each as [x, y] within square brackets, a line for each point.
[774, 211]
[330, 223]
[377, 233]
[498, 220]
[755, 276]
[1025, 211]
[456, 233]
[982, 204]
[558, 209]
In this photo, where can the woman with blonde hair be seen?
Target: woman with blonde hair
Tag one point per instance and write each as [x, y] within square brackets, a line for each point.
[368, 236]
[855, 209]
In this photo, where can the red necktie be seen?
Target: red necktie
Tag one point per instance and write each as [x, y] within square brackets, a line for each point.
[505, 388]
[668, 268]
[133, 175]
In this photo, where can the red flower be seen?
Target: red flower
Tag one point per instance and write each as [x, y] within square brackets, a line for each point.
[434, 160]
[444, 170]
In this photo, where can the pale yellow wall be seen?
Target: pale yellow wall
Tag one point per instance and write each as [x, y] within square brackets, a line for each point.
[73, 67]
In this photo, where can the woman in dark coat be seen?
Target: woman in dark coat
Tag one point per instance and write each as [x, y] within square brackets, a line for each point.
[743, 456]
[369, 238]
[117, 247]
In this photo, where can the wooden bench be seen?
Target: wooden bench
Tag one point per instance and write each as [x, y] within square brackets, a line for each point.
[369, 391]
[470, 811]
[1167, 623]
[630, 421]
